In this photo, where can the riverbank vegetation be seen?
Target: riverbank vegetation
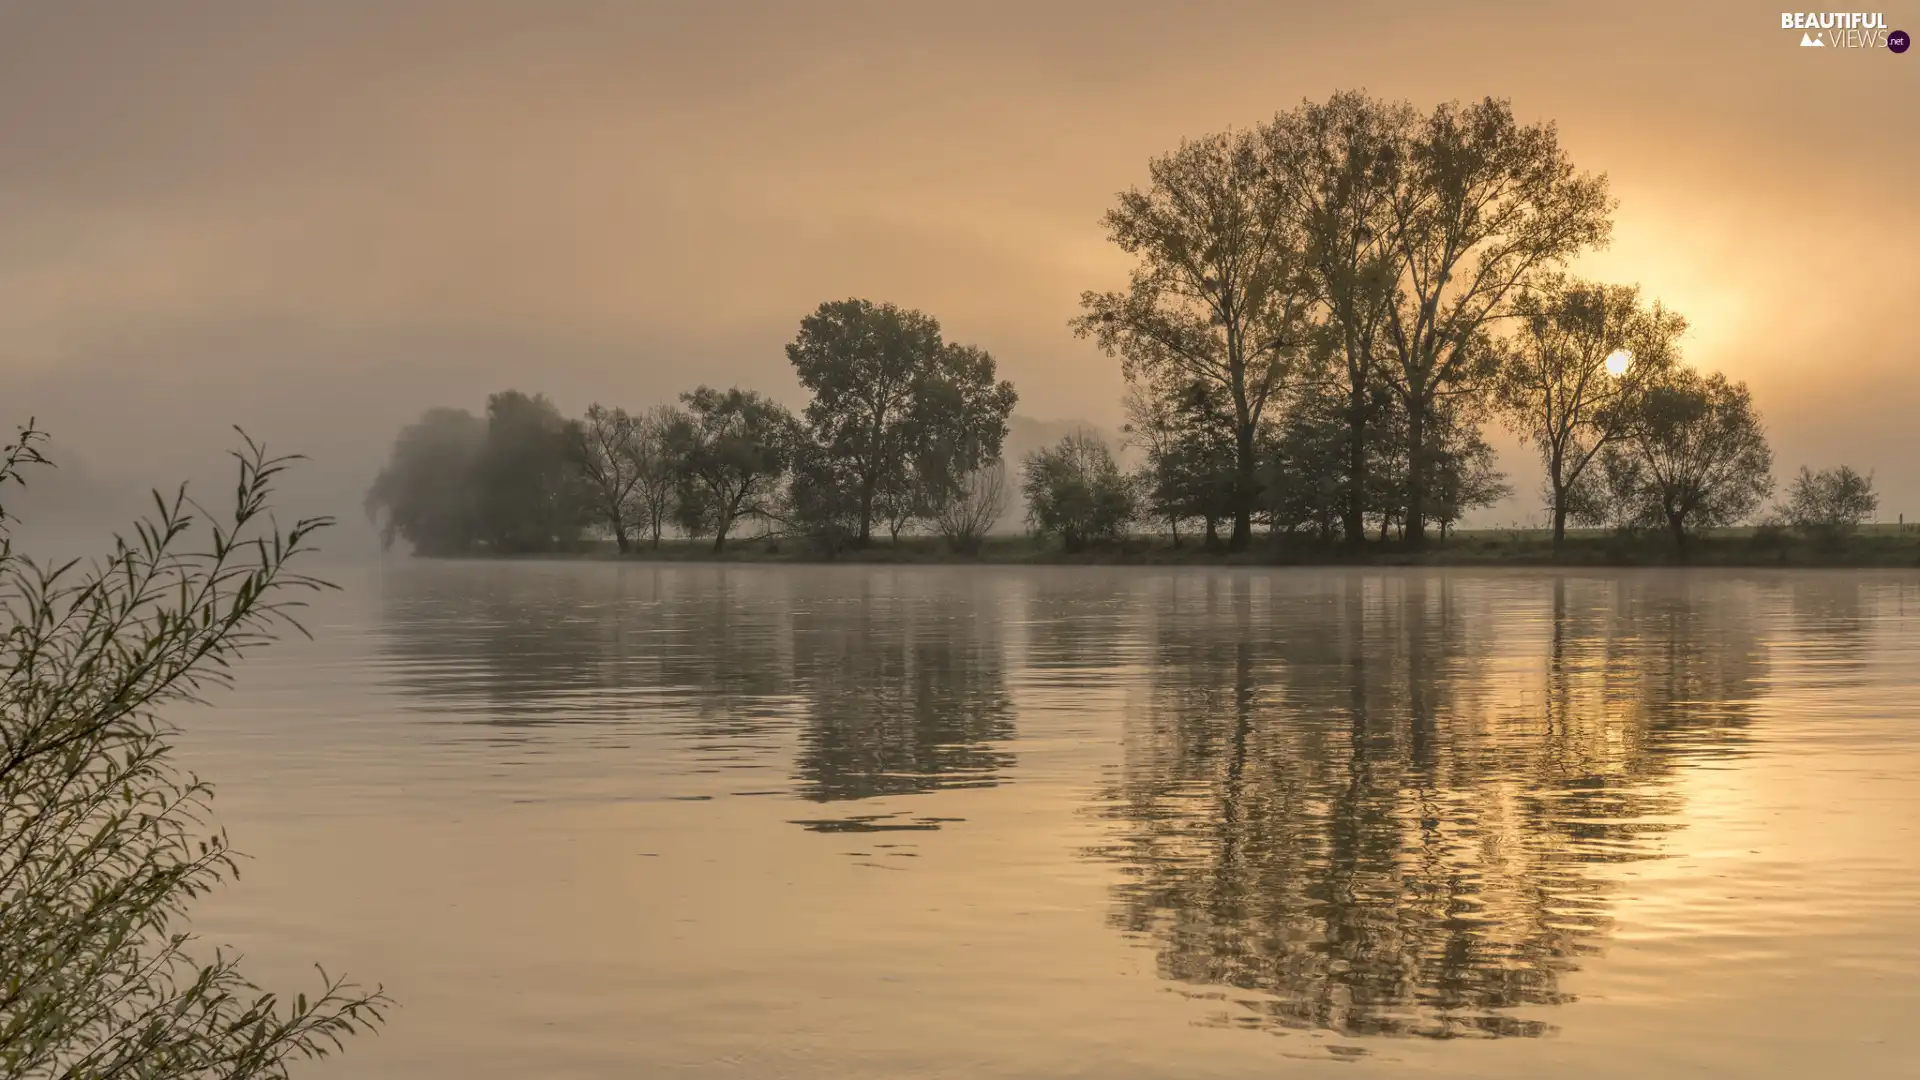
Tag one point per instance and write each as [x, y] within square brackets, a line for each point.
[1324, 315]
[1886, 546]
[103, 839]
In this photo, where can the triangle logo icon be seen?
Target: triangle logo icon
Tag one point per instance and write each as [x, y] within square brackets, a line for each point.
[1809, 41]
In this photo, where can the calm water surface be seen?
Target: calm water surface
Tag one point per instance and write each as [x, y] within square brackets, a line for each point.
[589, 820]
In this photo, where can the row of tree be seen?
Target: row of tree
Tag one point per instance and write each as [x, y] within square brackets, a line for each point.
[1323, 314]
[1692, 459]
[1324, 310]
[903, 427]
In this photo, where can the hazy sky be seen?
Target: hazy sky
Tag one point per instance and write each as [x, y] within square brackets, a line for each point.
[315, 219]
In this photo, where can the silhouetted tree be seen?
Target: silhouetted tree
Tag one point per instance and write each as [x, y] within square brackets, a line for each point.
[1462, 476]
[1831, 503]
[1216, 296]
[532, 496]
[427, 494]
[822, 498]
[606, 446]
[1555, 383]
[968, 510]
[1697, 457]
[1480, 204]
[862, 362]
[1191, 464]
[655, 469]
[1334, 166]
[1076, 492]
[905, 411]
[960, 424]
[1308, 470]
[732, 447]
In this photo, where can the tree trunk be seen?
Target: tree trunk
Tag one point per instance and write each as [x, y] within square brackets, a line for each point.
[1174, 524]
[1556, 467]
[1213, 533]
[1244, 487]
[1416, 523]
[620, 536]
[866, 512]
[1354, 521]
[1678, 523]
[727, 513]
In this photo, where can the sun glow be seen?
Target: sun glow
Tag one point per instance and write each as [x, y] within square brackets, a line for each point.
[1618, 362]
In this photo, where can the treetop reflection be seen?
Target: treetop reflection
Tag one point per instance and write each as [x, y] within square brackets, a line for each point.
[1336, 801]
[1371, 803]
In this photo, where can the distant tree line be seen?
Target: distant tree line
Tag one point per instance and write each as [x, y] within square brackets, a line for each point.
[1323, 314]
[903, 430]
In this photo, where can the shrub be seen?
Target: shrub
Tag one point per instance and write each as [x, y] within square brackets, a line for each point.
[1831, 503]
[966, 513]
[102, 841]
[1076, 492]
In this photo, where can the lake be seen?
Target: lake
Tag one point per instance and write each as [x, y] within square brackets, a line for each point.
[598, 820]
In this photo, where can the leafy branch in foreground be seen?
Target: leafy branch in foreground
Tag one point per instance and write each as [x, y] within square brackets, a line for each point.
[103, 841]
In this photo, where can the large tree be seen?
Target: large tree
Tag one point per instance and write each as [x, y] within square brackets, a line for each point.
[1697, 457]
[1333, 167]
[531, 496]
[1216, 295]
[605, 444]
[1573, 372]
[732, 446]
[862, 361]
[427, 493]
[960, 416]
[1479, 204]
[655, 469]
[898, 408]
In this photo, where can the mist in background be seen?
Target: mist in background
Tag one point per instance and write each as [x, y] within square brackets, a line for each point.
[316, 220]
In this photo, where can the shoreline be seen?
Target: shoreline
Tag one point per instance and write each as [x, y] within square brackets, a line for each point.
[1874, 548]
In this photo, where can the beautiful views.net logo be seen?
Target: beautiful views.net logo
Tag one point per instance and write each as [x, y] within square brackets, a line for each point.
[1845, 30]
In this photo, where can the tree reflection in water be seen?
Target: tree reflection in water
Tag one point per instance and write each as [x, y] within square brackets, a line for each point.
[905, 691]
[1372, 803]
[1377, 808]
[890, 684]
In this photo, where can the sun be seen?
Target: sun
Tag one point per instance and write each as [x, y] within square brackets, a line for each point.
[1618, 362]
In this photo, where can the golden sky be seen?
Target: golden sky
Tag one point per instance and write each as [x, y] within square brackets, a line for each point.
[317, 218]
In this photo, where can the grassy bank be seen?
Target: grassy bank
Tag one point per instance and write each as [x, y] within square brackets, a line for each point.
[1872, 546]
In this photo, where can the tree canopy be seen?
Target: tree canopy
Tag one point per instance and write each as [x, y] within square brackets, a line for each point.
[1697, 457]
[902, 413]
[1558, 381]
